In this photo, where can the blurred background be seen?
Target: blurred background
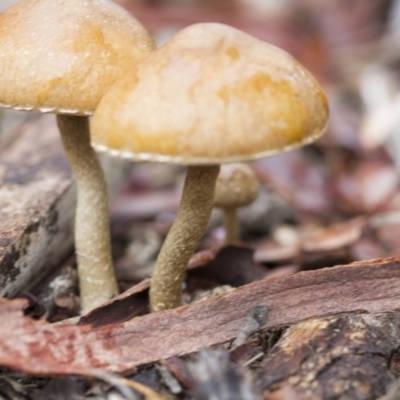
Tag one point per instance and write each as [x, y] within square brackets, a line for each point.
[334, 202]
[338, 200]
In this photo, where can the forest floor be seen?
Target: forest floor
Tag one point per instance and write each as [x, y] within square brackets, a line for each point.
[306, 307]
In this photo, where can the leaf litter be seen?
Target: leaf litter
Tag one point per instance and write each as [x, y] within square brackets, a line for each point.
[334, 203]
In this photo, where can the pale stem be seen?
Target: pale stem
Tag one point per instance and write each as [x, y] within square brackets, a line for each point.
[183, 238]
[231, 225]
[92, 224]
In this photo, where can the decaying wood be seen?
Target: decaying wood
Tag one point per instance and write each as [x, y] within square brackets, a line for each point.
[39, 348]
[37, 203]
[36, 206]
[352, 356]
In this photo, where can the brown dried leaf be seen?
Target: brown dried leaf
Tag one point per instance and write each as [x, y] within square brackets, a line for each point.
[272, 252]
[312, 240]
[246, 351]
[232, 265]
[203, 257]
[178, 368]
[333, 237]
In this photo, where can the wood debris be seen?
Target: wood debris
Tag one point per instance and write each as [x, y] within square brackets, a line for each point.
[39, 348]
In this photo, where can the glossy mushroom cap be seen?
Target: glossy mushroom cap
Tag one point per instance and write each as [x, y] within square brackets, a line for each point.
[61, 56]
[236, 186]
[211, 95]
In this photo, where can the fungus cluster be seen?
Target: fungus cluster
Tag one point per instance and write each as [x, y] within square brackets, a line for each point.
[209, 96]
[61, 57]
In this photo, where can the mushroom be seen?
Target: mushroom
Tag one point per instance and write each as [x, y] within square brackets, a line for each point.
[236, 186]
[61, 57]
[210, 95]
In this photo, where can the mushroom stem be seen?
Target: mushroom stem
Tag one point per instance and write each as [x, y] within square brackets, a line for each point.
[231, 226]
[92, 225]
[183, 238]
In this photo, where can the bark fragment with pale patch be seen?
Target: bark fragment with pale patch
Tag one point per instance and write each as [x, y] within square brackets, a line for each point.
[39, 348]
[37, 198]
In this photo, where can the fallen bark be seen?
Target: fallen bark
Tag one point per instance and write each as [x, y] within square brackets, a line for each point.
[36, 206]
[230, 265]
[352, 356]
[39, 348]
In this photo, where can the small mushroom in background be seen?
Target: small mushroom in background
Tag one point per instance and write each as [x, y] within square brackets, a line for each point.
[211, 95]
[236, 186]
[61, 57]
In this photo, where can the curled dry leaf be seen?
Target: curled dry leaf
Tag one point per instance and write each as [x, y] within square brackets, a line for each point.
[272, 252]
[334, 237]
[37, 347]
[313, 240]
[203, 257]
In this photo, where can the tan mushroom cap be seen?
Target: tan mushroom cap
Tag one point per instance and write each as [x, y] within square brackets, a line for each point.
[212, 94]
[236, 186]
[62, 55]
